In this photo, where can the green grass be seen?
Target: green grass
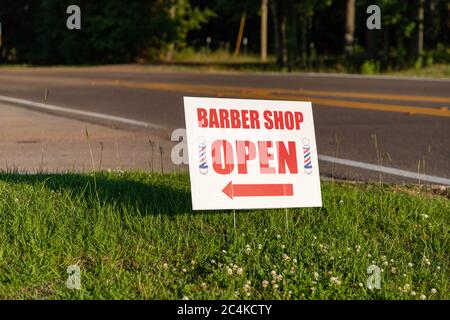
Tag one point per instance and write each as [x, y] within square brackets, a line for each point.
[436, 71]
[134, 236]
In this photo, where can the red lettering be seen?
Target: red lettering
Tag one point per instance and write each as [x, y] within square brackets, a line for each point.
[298, 119]
[201, 116]
[254, 119]
[219, 148]
[289, 120]
[278, 119]
[235, 121]
[213, 121]
[245, 150]
[265, 157]
[268, 120]
[224, 121]
[287, 158]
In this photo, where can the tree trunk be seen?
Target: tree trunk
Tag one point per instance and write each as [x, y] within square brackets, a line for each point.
[284, 42]
[371, 36]
[264, 37]
[420, 27]
[444, 25]
[349, 27]
[171, 48]
[293, 34]
[277, 33]
[240, 34]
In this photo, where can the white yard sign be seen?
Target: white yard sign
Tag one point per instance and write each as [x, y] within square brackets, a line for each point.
[251, 154]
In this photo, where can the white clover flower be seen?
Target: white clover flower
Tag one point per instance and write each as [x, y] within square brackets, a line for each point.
[433, 290]
[369, 255]
[213, 261]
[341, 201]
[385, 263]
[314, 237]
[278, 236]
[358, 248]
[316, 275]
[426, 261]
[193, 262]
[383, 258]
[265, 230]
[438, 268]
[360, 285]
[16, 200]
[391, 261]
[313, 290]
[294, 260]
[260, 246]
[424, 216]
[314, 282]
[248, 250]
[279, 277]
[423, 297]
[185, 298]
[335, 280]
[283, 246]
[203, 285]
[275, 286]
[239, 271]
[410, 264]
[273, 273]
[265, 283]
[165, 265]
[406, 287]
[394, 270]
[413, 293]
[229, 271]
[224, 251]
[184, 270]
[285, 256]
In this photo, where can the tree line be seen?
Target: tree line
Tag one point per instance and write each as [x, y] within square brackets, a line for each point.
[297, 33]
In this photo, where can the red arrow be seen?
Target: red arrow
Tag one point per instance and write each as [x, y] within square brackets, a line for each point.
[257, 190]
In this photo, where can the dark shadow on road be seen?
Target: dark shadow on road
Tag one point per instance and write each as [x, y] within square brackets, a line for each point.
[159, 194]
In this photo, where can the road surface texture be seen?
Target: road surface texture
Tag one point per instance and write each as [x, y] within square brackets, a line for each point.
[391, 122]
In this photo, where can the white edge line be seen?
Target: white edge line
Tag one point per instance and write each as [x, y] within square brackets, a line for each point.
[90, 114]
[345, 162]
[388, 170]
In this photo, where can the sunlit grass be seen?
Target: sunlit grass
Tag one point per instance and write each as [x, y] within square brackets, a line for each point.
[134, 236]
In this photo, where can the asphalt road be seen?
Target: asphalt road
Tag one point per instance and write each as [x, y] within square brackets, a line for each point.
[399, 123]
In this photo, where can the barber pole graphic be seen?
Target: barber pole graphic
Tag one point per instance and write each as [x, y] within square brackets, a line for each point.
[203, 163]
[307, 156]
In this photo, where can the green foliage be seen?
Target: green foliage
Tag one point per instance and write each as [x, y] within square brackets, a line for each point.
[369, 67]
[307, 33]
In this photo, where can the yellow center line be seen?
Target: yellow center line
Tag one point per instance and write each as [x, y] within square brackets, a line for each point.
[245, 92]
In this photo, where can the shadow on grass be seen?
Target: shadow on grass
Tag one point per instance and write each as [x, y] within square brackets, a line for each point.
[142, 194]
